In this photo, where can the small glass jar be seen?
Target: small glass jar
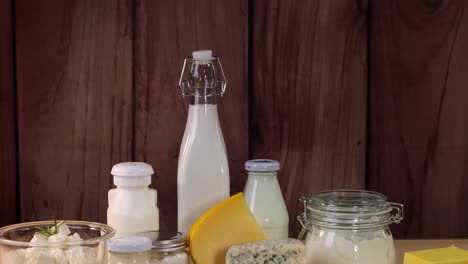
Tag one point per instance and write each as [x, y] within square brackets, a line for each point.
[129, 250]
[168, 247]
[263, 195]
[348, 226]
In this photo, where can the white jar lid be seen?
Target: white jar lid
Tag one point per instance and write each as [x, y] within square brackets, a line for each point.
[262, 165]
[131, 244]
[202, 55]
[132, 174]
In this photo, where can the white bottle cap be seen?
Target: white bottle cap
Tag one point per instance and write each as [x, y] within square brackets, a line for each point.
[131, 244]
[202, 55]
[132, 174]
[262, 165]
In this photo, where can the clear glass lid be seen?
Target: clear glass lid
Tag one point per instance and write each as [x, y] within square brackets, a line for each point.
[349, 209]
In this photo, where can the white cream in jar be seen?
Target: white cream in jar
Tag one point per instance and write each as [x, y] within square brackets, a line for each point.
[168, 247]
[349, 227]
[343, 247]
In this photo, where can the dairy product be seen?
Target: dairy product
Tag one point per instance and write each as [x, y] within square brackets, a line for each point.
[203, 172]
[263, 195]
[168, 247]
[228, 223]
[132, 205]
[449, 255]
[178, 258]
[345, 247]
[43, 255]
[288, 251]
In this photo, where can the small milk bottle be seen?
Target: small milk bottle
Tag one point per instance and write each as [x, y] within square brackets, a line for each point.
[132, 205]
[264, 198]
[203, 172]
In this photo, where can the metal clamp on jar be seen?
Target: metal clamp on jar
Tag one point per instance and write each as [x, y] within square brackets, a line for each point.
[348, 226]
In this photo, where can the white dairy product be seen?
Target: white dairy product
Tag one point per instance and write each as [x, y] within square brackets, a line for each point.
[203, 172]
[168, 247]
[288, 251]
[178, 258]
[346, 247]
[263, 195]
[66, 255]
[132, 205]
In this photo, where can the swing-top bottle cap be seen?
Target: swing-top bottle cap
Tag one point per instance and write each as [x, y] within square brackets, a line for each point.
[202, 55]
[263, 165]
[132, 174]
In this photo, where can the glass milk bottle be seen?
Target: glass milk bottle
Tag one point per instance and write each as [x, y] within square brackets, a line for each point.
[203, 172]
[132, 205]
[263, 195]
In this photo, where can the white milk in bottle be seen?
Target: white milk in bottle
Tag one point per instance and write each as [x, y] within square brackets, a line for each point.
[263, 195]
[132, 205]
[203, 172]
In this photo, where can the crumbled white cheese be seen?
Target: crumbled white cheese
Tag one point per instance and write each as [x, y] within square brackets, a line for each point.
[41, 255]
[289, 251]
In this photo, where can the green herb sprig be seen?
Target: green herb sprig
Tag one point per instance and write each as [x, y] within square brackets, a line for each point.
[49, 231]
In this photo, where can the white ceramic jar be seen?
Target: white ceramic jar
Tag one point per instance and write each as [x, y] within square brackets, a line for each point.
[347, 226]
[132, 205]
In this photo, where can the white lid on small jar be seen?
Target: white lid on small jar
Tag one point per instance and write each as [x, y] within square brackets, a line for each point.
[132, 174]
[262, 165]
[131, 244]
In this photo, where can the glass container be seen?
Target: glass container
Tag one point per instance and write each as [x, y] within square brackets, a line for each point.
[203, 169]
[263, 195]
[349, 226]
[15, 242]
[168, 247]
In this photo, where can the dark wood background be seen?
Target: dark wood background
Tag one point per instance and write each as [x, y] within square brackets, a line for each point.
[345, 94]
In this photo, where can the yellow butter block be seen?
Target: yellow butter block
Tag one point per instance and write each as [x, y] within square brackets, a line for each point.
[449, 255]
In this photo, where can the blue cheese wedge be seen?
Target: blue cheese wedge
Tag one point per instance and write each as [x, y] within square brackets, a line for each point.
[288, 251]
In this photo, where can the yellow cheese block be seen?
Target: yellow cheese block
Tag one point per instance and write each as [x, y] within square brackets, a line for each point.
[450, 255]
[228, 223]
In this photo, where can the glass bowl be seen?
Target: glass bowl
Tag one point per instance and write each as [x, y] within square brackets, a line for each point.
[16, 248]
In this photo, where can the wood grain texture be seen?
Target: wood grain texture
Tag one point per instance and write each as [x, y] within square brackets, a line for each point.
[419, 115]
[75, 104]
[310, 95]
[165, 33]
[7, 118]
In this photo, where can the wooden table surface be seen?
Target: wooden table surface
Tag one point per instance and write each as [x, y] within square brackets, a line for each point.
[403, 246]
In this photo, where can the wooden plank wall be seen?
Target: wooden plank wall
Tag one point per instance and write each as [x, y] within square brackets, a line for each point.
[7, 118]
[345, 94]
[74, 70]
[165, 33]
[419, 113]
[310, 95]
